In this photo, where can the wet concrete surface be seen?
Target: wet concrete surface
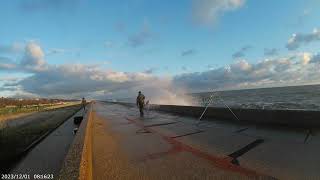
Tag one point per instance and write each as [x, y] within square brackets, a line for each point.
[47, 156]
[128, 147]
[277, 152]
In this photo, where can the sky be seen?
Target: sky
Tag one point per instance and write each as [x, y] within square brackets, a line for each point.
[111, 49]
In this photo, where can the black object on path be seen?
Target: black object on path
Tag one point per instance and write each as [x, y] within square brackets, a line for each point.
[77, 120]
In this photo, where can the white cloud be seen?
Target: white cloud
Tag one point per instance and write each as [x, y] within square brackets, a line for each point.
[9, 79]
[296, 40]
[78, 80]
[209, 11]
[302, 69]
[33, 58]
[7, 64]
[305, 58]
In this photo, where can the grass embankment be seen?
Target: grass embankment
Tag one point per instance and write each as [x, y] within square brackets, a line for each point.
[16, 111]
[15, 139]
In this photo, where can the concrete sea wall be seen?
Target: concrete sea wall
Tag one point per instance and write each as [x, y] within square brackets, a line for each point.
[290, 118]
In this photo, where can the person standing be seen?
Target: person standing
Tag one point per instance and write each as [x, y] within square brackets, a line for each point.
[140, 103]
[84, 102]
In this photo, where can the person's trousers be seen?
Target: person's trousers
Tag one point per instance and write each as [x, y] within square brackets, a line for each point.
[141, 110]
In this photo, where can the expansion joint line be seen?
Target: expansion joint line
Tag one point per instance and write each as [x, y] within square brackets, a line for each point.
[244, 150]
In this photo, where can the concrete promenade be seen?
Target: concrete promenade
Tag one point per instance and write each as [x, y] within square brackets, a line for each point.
[113, 142]
[163, 146]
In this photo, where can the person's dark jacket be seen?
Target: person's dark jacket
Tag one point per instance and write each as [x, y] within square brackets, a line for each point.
[140, 100]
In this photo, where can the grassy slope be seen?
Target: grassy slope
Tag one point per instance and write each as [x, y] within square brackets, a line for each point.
[6, 112]
[14, 140]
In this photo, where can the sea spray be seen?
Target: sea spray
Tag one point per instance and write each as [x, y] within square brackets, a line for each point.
[164, 92]
[156, 91]
[173, 98]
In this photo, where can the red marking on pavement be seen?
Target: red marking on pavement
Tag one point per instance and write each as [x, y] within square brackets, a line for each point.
[172, 150]
[177, 146]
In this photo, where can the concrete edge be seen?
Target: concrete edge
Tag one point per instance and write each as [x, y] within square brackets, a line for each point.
[86, 158]
[78, 161]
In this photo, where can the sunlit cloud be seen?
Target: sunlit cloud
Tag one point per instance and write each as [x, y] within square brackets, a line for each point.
[302, 69]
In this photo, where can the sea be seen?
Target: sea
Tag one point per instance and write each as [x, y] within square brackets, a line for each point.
[292, 97]
[305, 97]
